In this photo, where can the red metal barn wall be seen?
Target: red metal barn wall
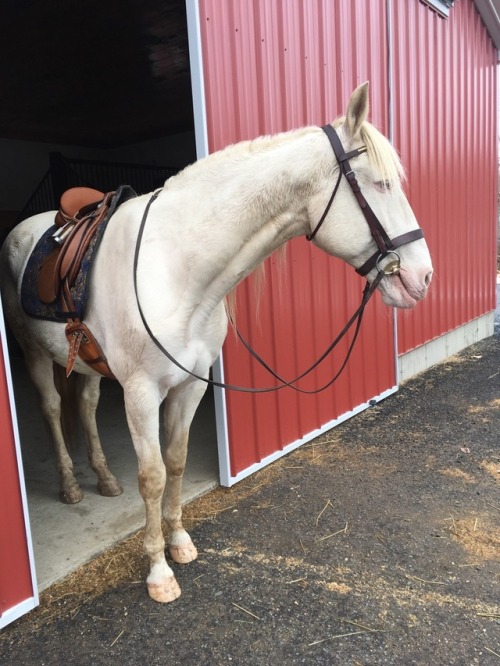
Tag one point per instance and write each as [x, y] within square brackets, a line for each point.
[268, 67]
[444, 117]
[18, 592]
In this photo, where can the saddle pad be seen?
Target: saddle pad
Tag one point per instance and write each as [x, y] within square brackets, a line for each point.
[30, 300]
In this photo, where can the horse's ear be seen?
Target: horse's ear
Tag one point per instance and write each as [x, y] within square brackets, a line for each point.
[357, 110]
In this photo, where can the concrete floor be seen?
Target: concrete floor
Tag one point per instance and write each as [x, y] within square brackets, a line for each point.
[64, 537]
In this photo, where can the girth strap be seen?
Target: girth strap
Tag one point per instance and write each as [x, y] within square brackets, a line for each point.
[83, 344]
[80, 339]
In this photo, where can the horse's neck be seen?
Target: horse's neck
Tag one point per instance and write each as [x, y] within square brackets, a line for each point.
[218, 220]
[256, 204]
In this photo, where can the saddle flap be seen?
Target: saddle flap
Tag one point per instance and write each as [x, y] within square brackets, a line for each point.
[78, 241]
[73, 249]
[64, 261]
[47, 283]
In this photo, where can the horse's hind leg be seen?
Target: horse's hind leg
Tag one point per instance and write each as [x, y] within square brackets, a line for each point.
[180, 406]
[41, 373]
[88, 399]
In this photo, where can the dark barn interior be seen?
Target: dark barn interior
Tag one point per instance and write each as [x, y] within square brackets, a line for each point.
[95, 74]
[105, 84]
[93, 81]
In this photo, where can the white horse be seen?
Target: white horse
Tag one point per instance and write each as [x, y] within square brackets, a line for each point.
[210, 226]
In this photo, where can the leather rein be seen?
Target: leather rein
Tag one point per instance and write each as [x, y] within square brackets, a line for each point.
[386, 247]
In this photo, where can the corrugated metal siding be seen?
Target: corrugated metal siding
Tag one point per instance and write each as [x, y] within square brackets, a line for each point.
[17, 586]
[272, 66]
[444, 100]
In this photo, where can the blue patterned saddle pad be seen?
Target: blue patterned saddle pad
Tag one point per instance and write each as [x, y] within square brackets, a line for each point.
[30, 300]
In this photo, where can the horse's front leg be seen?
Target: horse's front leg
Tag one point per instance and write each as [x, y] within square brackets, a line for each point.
[180, 407]
[88, 399]
[142, 404]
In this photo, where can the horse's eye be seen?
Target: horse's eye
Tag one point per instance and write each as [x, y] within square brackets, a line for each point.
[383, 185]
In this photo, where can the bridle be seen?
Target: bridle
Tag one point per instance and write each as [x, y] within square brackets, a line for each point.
[386, 247]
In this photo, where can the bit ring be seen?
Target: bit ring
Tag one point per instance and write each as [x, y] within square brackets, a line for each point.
[391, 268]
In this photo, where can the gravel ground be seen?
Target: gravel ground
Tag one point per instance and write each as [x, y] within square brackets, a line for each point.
[378, 543]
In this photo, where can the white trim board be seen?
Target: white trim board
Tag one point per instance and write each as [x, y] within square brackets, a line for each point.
[439, 349]
[11, 614]
[229, 480]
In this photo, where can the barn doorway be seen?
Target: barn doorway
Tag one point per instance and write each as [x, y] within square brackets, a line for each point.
[119, 96]
[66, 536]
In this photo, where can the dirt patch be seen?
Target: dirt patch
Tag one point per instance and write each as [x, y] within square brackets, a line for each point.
[492, 468]
[458, 474]
[478, 536]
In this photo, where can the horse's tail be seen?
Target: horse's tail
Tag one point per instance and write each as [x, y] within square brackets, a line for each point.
[67, 389]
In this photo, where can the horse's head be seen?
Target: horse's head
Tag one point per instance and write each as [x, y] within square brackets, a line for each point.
[347, 233]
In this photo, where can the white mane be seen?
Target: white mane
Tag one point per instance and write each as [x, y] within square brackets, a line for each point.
[234, 154]
[381, 153]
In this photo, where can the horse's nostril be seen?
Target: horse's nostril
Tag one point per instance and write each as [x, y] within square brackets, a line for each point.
[428, 278]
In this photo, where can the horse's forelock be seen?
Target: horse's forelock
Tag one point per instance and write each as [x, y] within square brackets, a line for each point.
[381, 153]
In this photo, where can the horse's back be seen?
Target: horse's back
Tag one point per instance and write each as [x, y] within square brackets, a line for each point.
[19, 244]
[14, 256]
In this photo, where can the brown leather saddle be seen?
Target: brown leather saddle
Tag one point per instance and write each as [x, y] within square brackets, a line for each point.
[82, 211]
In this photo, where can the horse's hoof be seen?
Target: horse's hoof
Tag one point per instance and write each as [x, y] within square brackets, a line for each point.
[183, 554]
[72, 496]
[165, 592]
[109, 488]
